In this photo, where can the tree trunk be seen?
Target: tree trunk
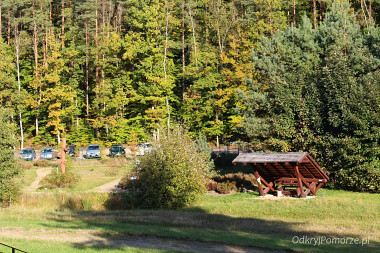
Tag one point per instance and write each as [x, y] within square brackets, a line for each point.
[183, 50]
[96, 52]
[35, 49]
[19, 86]
[58, 137]
[1, 27]
[315, 13]
[9, 26]
[194, 40]
[76, 106]
[165, 55]
[294, 13]
[217, 136]
[63, 23]
[87, 99]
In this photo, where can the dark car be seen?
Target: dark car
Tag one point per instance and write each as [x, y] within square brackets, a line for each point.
[28, 154]
[71, 150]
[116, 150]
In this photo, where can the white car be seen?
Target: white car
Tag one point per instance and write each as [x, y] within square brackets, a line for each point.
[143, 148]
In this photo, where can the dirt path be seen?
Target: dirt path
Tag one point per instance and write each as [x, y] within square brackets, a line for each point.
[41, 173]
[108, 187]
[92, 237]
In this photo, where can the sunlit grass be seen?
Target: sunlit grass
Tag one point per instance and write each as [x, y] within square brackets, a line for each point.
[41, 246]
[238, 218]
[27, 176]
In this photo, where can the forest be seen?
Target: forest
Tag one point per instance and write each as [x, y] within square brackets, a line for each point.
[280, 75]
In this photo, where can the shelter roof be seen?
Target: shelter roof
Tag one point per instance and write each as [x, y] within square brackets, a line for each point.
[280, 165]
[269, 157]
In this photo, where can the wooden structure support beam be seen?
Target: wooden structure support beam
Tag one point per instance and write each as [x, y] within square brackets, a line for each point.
[293, 173]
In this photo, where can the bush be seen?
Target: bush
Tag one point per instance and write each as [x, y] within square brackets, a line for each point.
[9, 167]
[25, 165]
[240, 180]
[57, 179]
[41, 163]
[211, 185]
[360, 178]
[226, 187]
[173, 174]
[121, 201]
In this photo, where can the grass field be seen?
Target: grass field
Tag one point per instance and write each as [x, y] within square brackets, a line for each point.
[238, 219]
[59, 247]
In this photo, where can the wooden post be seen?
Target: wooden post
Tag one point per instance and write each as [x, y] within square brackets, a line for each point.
[299, 182]
[258, 178]
[63, 159]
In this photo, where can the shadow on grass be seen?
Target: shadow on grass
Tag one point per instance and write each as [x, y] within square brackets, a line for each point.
[195, 230]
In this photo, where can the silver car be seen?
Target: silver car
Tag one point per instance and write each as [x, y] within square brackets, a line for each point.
[28, 154]
[48, 153]
[93, 151]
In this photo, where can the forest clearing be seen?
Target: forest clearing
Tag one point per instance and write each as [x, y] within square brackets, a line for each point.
[178, 125]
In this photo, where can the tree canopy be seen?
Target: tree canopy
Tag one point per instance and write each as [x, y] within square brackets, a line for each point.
[319, 90]
[114, 70]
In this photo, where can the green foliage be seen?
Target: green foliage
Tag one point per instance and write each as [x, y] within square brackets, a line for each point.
[113, 71]
[122, 201]
[226, 187]
[57, 179]
[9, 167]
[319, 91]
[240, 180]
[173, 174]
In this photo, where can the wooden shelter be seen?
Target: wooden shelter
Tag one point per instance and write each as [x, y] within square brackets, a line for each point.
[293, 173]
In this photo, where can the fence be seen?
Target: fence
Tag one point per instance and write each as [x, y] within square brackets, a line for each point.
[14, 250]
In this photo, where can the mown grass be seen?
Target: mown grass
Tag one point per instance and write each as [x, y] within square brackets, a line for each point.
[40, 246]
[28, 176]
[235, 218]
[92, 173]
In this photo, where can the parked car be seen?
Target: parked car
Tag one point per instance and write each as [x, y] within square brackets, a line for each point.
[28, 154]
[71, 151]
[143, 148]
[93, 151]
[48, 153]
[116, 150]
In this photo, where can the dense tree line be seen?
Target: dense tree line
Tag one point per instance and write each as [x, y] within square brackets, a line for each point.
[116, 70]
[319, 90]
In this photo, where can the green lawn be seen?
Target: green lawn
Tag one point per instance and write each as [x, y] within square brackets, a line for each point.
[238, 219]
[40, 246]
[92, 173]
[28, 176]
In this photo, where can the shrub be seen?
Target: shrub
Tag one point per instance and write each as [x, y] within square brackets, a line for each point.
[240, 180]
[173, 174]
[361, 178]
[41, 163]
[9, 167]
[57, 179]
[211, 185]
[127, 183]
[25, 165]
[121, 201]
[226, 187]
